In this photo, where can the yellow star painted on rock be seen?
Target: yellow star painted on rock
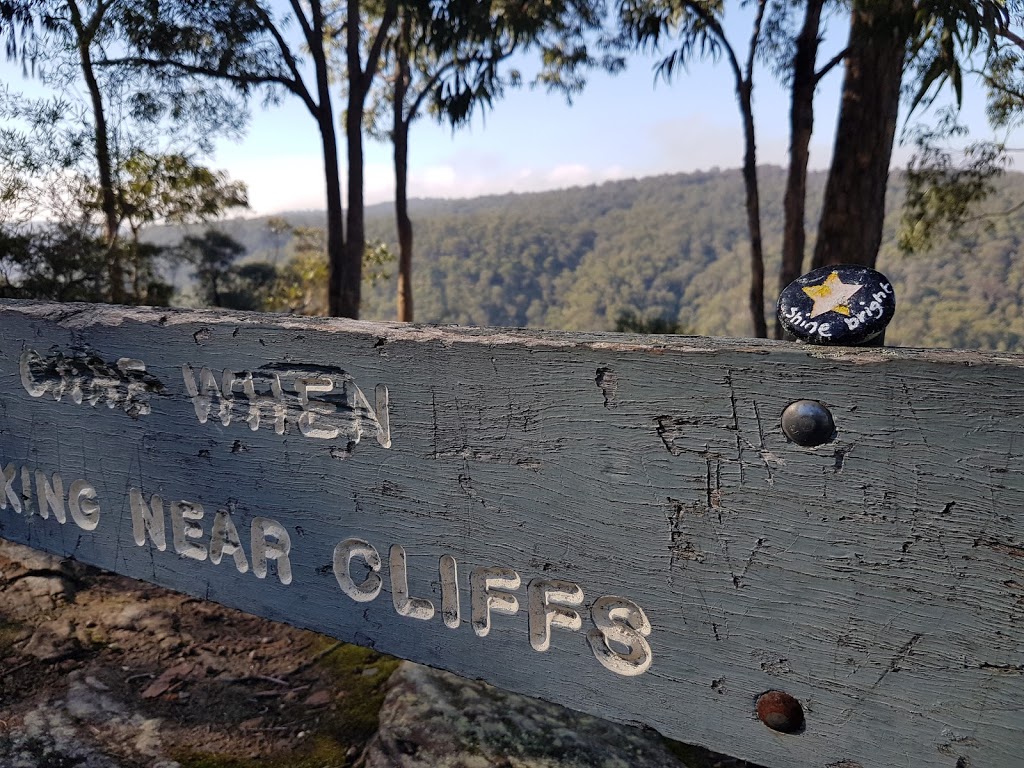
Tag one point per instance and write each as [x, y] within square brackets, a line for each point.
[832, 296]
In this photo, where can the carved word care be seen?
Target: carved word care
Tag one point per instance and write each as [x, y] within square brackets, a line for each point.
[88, 379]
[268, 540]
[323, 406]
[618, 637]
[37, 494]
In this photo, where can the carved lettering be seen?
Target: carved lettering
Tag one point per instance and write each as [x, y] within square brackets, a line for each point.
[51, 497]
[147, 519]
[88, 379]
[622, 622]
[10, 472]
[85, 511]
[320, 407]
[271, 543]
[185, 517]
[224, 541]
[490, 593]
[26, 490]
[370, 587]
[413, 607]
[451, 604]
[552, 604]
[618, 639]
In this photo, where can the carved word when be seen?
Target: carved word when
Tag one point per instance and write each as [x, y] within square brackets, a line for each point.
[88, 379]
[620, 629]
[50, 498]
[321, 406]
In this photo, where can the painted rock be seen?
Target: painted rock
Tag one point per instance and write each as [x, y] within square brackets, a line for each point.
[843, 305]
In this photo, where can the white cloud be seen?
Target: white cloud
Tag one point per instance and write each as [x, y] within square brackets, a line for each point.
[282, 182]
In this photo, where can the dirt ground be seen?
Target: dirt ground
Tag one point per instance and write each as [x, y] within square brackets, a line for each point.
[158, 675]
[100, 671]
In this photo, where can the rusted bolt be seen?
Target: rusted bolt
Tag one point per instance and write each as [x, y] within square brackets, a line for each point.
[808, 423]
[780, 712]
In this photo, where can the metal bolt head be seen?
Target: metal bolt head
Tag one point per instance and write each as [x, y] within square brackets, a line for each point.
[808, 423]
[780, 712]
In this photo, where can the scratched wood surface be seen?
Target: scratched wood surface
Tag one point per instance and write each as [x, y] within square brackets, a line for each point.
[560, 492]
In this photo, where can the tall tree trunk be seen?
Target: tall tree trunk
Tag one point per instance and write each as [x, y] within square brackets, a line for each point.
[801, 122]
[360, 78]
[104, 165]
[323, 111]
[400, 140]
[850, 231]
[350, 286]
[336, 253]
[744, 92]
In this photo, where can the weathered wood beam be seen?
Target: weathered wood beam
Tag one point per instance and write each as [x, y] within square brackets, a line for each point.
[614, 523]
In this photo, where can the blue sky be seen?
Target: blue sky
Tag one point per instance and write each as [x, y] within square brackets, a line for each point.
[621, 126]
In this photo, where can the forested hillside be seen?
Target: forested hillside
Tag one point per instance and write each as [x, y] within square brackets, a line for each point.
[670, 247]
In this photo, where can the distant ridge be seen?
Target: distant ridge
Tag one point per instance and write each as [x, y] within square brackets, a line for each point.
[672, 246]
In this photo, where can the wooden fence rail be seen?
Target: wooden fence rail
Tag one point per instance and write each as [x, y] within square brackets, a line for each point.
[618, 524]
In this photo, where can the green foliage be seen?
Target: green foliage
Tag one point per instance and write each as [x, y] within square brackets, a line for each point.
[376, 258]
[942, 195]
[630, 322]
[946, 33]
[673, 247]
[301, 284]
[213, 255]
[55, 262]
[174, 188]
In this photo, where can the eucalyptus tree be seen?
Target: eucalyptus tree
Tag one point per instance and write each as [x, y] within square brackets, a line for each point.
[795, 59]
[248, 45]
[21, 21]
[50, 205]
[694, 29]
[451, 59]
[932, 39]
[123, 113]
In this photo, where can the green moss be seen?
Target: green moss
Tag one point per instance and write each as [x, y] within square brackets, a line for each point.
[9, 632]
[359, 674]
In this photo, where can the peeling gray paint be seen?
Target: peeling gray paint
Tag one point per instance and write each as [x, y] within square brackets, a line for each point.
[610, 522]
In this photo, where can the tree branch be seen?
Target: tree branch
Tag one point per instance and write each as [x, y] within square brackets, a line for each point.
[307, 30]
[830, 65]
[196, 69]
[712, 23]
[373, 57]
[1012, 36]
[298, 85]
[755, 40]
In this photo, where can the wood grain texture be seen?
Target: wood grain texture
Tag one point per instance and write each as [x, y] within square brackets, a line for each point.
[879, 579]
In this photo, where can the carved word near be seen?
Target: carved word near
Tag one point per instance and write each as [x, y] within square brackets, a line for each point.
[268, 540]
[872, 311]
[88, 379]
[37, 494]
[618, 637]
[322, 406]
